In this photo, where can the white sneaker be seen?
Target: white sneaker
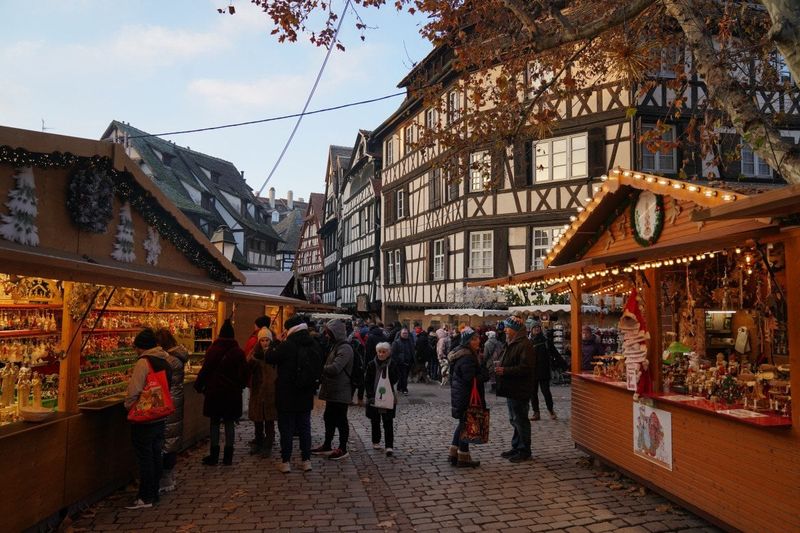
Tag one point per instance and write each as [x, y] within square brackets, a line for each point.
[376, 446]
[389, 452]
[284, 467]
[306, 466]
[138, 503]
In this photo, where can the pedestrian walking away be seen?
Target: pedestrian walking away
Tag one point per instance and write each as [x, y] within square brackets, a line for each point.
[381, 370]
[515, 378]
[177, 355]
[403, 355]
[465, 370]
[543, 350]
[336, 390]
[261, 407]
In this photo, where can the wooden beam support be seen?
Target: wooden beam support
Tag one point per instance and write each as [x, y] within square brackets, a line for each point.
[575, 325]
[652, 317]
[792, 260]
[70, 365]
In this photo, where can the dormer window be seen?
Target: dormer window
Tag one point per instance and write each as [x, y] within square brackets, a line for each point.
[276, 217]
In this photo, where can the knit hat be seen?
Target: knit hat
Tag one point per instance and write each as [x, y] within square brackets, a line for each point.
[292, 321]
[514, 322]
[535, 324]
[263, 322]
[226, 331]
[529, 322]
[501, 326]
[264, 333]
[145, 339]
[466, 335]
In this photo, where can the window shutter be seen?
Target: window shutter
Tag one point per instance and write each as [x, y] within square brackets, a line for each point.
[431, 189]
[430, 260]
[528, 248]
[402, 279]
[730, 163]
[406, 201]
[597, 152]
[521, 163]
[467, 249]
[497, 155]
[500, 251]
[386, 266]
[446, 257]
[389, 209]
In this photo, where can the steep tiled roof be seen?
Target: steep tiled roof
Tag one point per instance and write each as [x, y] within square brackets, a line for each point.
[289, 230]
[317, 204]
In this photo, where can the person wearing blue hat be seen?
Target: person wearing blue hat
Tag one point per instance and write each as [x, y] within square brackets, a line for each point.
[515, 381]
[465, 369]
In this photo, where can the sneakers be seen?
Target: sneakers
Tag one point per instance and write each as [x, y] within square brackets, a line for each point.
[321, 450]
[376, 446]
[509, 454]
[389, 452]
[536, 416]
[338, 454]
[305, 466]
[553, 415]
[139, 503]
[284, 467]
[521, 458]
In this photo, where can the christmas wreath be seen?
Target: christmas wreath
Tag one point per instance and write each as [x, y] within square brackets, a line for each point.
[90, 199]
[659, 221]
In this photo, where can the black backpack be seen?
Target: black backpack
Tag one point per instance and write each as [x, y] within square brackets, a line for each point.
[309, 367]
[359, 364]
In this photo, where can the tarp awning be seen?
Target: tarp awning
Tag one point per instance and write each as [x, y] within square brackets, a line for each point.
[466, 311]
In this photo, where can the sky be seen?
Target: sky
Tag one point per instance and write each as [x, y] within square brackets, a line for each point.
[175, 65]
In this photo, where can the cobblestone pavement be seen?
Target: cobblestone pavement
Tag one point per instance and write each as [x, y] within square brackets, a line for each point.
[416, 490]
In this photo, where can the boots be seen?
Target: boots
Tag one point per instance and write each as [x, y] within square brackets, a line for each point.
[453, 455]
[465, 460]
[536, 416]
[212, 458]
[227, 459]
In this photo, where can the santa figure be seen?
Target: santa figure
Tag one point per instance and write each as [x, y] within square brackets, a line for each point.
[634, 345]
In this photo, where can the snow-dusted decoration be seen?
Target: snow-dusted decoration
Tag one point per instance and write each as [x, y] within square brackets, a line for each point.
[123, 247]
[153, 246]
[473, 298]
[19, 225]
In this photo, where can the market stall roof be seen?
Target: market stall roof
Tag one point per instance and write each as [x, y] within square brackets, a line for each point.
[780, 202]
[456, 311]
[544, 308]
[260, 297]
[331, 316]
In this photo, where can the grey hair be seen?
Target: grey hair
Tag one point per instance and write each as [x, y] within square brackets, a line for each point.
[383, 346]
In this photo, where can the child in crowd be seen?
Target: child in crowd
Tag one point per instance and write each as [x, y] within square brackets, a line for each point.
[382, 365]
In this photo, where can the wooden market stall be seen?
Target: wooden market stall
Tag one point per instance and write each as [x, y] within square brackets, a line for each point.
[707, 420]
[90, 252]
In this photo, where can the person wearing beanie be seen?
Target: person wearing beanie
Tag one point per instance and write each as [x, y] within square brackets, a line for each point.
[147, 437]
[260, 323]
[261, 407]
[543, 349]
[465, 369]
[221, 379]
[515, 381]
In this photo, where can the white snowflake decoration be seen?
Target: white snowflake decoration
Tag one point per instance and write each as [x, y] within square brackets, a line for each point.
[19, 225]
[153, 246]
[123, 247]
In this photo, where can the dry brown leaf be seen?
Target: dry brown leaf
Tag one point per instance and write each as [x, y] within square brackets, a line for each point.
[642, 491]
[616, 486]
[387, 524]
[665, 508]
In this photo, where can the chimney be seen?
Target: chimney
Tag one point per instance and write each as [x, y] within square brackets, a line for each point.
[242, 171]
[290, 200]
[300, 199]
[272, 197]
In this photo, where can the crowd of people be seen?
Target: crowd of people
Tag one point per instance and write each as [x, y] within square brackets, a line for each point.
[344, 363]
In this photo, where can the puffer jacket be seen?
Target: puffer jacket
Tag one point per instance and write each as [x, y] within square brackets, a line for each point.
[403, 350]
[289, 398]
[464, 368]
[338, 368]
[519, 364]
[173, 435]
[443, 344]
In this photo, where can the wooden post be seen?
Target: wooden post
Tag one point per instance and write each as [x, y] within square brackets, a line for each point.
[575, 325]
[652, 317]
[222, 315]
[70, 365]
[792, 261]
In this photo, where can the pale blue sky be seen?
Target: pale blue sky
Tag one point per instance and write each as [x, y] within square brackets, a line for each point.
[178, 64]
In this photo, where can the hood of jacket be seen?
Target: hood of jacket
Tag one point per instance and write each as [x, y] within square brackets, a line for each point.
[179, 352]
[338, 329]
[155, 352]
[441, 333]
[458, 353]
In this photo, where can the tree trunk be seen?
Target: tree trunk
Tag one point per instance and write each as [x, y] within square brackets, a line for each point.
[785, 31]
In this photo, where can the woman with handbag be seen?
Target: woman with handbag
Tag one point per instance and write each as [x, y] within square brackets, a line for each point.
[467, 377]
[221, 380]
[382, 373]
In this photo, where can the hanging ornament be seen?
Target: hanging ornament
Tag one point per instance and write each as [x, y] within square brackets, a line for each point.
[19, 225]
[153, 246]
[90, 199]
[123, 247]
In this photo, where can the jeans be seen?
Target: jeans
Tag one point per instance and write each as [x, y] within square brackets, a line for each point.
[170, 460]
[518, 416]
[388, 429]
[433, 369]
[463, 446]
[265, 433]
[544, 385]
[147, 441]
[230, 432]
[335, 417]
[287, 424]
[402, 382]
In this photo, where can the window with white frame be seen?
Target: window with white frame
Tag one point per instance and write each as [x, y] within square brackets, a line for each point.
[390, 268]
[408, 139]
[438, 260]
[663, 160]
[753, 166]
[480, 165]
[400, 203]
[481, 259]
[355, 225]
[365, 220]
[453, 106]
[561, 158]
[276, 217]
[430, 119]
[398, 272]
[388, 155]
[543, 240]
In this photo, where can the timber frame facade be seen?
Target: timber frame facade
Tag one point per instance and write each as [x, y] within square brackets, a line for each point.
[329, 231]
[308, 260]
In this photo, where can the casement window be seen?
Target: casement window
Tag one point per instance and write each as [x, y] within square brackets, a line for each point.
[662, 161]
[481, 259]
[543, 240]
[753, 166]
[435, 187]
[355, 225]
[388, 152]
[562, 158]
[480, 166]
[451, 187]
[400, 203]
[390, 268]
[453, 106]
[430, 119]
[365, 221]
[438, 260]
[408, 139]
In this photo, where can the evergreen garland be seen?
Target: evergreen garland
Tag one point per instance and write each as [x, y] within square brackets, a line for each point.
[90, 199]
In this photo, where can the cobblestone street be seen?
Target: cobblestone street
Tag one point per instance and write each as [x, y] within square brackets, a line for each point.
[416, 490]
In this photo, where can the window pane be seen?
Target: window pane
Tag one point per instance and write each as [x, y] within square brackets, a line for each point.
[648, 159]
[579, 169]
[578, 143]
[559, 146]
[560, 172]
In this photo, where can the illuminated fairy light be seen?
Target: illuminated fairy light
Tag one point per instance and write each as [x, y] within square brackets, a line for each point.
[650, 179]
[693, 188]
[663, 182]
[677, 185]
[729, 197]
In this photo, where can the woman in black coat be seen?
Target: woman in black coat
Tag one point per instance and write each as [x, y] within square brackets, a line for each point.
[221, 380]
[465, 369]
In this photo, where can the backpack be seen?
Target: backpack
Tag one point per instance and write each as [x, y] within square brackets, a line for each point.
[359, 364]
[308, 370]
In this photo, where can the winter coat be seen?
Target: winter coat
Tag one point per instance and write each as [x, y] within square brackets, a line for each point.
[589, 349]
[542, 348]
[338, 368]
[251, 343]
[443, 344]
[261, 406]
[374, 337]
[288, 398]
[173, 435]
[519, 364]
[464, 369]
[155, 357]
[403, 351]
[221, 380]
[373, 372]
[490, 349]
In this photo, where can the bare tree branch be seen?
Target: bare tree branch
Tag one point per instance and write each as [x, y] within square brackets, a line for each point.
[785, 31]
[525, 14]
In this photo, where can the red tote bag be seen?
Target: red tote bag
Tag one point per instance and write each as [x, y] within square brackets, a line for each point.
[476, 419]
[155, 401]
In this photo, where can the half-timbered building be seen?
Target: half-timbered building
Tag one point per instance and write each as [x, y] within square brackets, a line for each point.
[308, 260]
[329, 232]
[360, 280]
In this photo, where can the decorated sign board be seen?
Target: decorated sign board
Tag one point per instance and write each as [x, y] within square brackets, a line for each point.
[652, 434]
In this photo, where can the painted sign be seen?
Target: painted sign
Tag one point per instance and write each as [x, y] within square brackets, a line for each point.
[652, 435]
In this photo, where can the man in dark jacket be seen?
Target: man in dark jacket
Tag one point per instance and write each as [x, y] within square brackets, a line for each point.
[403, 355]
[294, 403]
[374, 337]
[515, 377]
[422, 356]
[543, 349]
